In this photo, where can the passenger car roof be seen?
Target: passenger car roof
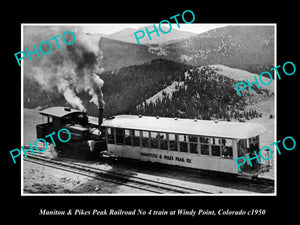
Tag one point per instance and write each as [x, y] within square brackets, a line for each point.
[208, 128]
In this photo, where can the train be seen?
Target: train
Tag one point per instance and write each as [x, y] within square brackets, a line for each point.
[209, 145]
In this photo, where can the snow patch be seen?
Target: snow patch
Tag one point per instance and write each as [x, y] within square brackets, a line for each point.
[242, 75]
[168, 91]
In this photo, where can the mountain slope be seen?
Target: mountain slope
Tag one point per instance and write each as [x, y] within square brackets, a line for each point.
[232, 73]
[242, 75]
[125, 35]
[248, 48]
[164, 88]
[117, 54]
[203, 93]
[245, 47]
[129, 86]
[123, 88]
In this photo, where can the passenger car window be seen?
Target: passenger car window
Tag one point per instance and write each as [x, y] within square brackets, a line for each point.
[193, 140]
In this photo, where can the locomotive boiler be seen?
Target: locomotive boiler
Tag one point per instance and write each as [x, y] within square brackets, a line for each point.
[87, 137]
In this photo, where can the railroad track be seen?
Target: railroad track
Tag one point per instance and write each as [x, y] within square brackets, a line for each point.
[259, 181]
[257, 184]
[145, 184]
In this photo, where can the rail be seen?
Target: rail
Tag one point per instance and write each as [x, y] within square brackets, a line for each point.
[149, 185]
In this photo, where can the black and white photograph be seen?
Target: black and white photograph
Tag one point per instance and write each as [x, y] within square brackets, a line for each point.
[150, 109]
[164, 113]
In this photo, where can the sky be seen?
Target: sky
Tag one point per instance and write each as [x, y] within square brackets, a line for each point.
[112, 28]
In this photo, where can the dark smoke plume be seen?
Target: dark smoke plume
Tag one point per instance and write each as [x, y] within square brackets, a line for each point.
[69, 70]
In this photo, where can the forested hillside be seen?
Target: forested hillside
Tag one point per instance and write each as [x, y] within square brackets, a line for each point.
[204, 94]
[123, 89]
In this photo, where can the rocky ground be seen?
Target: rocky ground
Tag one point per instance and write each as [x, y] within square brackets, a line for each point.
[40, 179]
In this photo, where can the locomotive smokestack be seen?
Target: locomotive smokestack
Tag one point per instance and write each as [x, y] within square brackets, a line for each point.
[100, 117]
[100, 111]
[96, 83]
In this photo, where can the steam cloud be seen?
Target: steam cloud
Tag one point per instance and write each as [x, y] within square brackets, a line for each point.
[69, 70]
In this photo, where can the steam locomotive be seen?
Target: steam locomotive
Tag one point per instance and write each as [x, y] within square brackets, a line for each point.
[87, 136]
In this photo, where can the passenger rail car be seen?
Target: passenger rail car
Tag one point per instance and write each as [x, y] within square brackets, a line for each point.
[199, 144]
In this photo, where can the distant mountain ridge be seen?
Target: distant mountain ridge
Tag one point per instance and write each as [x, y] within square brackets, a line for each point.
[127, 35]
[245, 47]
[118, 54]
[249, 48]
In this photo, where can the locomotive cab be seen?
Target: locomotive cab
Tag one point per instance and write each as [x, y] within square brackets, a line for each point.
[86, 137]
[59, 117]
